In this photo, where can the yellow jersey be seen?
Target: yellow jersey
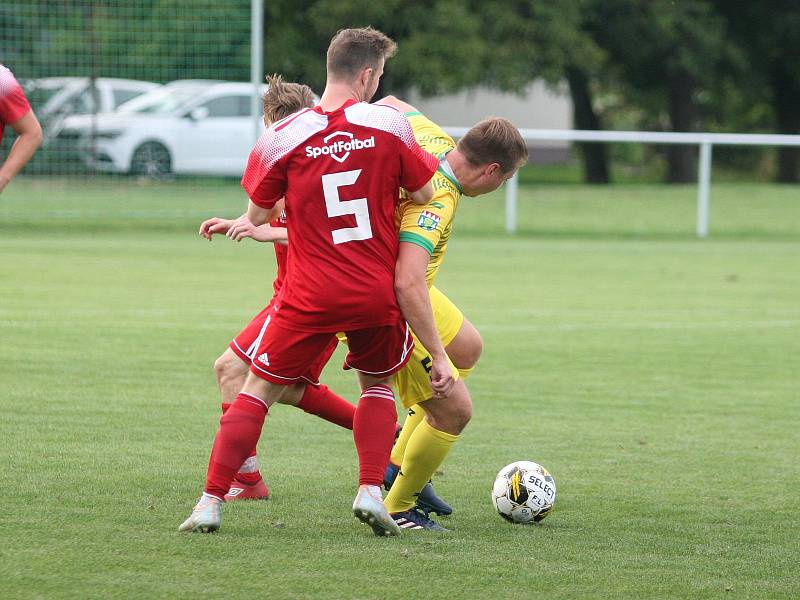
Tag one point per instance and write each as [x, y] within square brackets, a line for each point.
[430, 225]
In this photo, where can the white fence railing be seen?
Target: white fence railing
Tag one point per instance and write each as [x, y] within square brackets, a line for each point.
[704, 140]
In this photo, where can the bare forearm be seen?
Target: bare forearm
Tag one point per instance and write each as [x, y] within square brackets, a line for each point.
[423, 195]
[415, 303]
[21, 152]
[258, 215]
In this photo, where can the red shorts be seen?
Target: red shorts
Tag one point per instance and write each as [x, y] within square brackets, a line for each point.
[248, 341]
[286, 356]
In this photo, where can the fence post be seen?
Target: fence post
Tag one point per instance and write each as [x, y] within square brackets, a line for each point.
[703, 189]
[512, 186]
[256, 62]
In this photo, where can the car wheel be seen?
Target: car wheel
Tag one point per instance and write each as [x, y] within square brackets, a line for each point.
[151, 160]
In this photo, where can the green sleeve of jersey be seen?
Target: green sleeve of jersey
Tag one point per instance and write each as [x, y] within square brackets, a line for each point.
[415, 238]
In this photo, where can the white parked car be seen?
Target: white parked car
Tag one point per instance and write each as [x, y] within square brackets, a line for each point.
[56, 98]
[184, 127]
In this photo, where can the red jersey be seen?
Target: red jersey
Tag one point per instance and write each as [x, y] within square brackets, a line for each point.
[13, 104]
[281, 251]
[340, 173]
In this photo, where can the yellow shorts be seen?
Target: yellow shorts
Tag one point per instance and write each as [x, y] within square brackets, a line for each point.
[414, 380]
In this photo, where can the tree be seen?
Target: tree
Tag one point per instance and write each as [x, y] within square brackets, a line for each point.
[768, 33]
[298, 33]
[549, 40]
[666, 53]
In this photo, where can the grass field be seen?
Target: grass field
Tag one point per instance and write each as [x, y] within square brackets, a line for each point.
[655, 375]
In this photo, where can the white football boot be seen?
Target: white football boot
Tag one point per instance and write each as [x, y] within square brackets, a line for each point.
[369, 509]
[206, 515]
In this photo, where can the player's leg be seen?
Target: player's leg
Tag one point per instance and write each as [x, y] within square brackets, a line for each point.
[464, 351]
[463, 344]
[317, 399]
[376, 354]
[414, 416]
[282, 356]
[374, 424]
[231, 370]
[426, 449]
[238, 433]
[465, 348]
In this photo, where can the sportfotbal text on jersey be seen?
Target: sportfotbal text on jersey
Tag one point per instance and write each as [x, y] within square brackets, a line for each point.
[339, 149]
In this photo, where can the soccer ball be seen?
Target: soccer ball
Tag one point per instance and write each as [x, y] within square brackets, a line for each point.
[524, 492]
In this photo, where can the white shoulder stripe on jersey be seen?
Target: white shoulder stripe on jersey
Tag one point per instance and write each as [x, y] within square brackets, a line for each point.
[286, 135]
[7, 81]
[382, 117]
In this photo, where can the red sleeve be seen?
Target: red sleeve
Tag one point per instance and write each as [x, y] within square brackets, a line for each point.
[264, 178]
[418, 165]
[13, 104]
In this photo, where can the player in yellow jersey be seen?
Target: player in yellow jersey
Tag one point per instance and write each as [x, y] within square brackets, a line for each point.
[488, 155]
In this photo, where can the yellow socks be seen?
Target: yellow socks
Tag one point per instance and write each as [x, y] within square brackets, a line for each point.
[425, 450]
[416, 414]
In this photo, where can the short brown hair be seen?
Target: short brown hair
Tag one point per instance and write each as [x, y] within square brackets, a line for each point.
[352, 50]
[494, 140]
[284, 98]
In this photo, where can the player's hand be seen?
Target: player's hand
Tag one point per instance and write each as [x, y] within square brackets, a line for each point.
[241, 228]
[214, 225]
[442, 380]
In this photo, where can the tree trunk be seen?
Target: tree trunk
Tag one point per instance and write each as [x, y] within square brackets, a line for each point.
[786, 102]
[682, 114]
[594, 155]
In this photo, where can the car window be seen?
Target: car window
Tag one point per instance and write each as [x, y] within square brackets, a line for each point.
[228, 106]
[81, 104]
[38, 97]
[121, 96]
[162, 100]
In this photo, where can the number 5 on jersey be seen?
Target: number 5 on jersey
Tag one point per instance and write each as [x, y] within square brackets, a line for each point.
[340, 208]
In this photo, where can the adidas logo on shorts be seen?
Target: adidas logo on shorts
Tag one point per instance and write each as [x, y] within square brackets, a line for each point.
[263, 359]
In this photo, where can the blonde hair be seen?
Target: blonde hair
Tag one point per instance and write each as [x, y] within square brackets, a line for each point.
[284, 98]
[352, 50]
[494, 140]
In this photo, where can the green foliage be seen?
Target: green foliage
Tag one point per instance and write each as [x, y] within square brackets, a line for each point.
[441, 44]
[531, 39]
[153, 40]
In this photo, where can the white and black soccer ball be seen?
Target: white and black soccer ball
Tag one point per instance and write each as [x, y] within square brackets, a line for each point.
[524, 492]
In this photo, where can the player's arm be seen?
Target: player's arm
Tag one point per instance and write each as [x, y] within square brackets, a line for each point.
[415, 302]
[242, 228]
[254, 223]
[261, 233]
[423, 195]
[395, 102]
[29, 133]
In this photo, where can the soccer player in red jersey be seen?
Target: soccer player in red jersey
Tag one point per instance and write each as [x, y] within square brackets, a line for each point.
[339, 167]
[16, 112]
[281, 100]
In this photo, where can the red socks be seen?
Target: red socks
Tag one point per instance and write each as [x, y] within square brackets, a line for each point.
[374, 426]
[249, 471]
[321, 401]
[373, 423]
[239, 430]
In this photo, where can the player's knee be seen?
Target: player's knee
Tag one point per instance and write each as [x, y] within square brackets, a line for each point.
[228, 367]
[453, 413]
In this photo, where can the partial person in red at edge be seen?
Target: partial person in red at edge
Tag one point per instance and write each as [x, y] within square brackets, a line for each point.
[16, 113]
[340, 167]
